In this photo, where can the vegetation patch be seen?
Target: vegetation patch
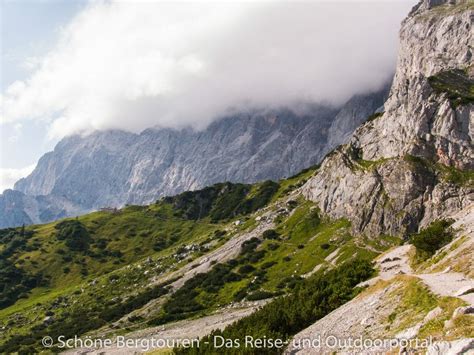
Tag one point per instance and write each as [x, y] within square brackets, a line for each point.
[374, 116]
[415, 301]
[311, 300]
[75, 235]
[456, 84]
[184, 302]
[222, 201]
[436, 328]
[295, 181]
[355, 154]
[79, 321]
[456, 176]
[15, 283]
[443, 172]
[432, 238]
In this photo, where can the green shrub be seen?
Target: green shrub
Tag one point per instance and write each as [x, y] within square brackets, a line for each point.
[268, 264]
[254, 256]
[249, 245]
[270, 234]
[240, 294]
[292, 204]
[273, 246]
[432, 238]
[456, 84]
[374, 116]
[75, 235]
[259, 295]
[245, 269]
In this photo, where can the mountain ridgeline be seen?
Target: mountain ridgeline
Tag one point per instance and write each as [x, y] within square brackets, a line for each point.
[114, 168]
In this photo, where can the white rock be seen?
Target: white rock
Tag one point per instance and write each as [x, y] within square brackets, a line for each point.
[461, 346]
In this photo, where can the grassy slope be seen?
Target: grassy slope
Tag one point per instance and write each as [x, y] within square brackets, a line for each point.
[133, 231]
[121, 244]
[96, 280]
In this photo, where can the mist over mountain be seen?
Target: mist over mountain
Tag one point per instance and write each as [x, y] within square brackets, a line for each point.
[132, 66]
[113, 168]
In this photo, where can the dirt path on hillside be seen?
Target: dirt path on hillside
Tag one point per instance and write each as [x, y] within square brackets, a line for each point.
[453, 284]
[366, 315]
[169, 333]
[445, 283]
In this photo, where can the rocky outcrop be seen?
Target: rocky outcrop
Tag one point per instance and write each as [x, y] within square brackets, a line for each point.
[419, 119]
[414, 162]
[113, 168]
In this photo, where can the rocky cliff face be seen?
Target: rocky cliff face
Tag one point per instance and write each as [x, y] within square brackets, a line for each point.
[114, 168]
[414, 162]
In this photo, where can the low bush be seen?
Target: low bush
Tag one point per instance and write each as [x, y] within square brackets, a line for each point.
[246, 269]
[270, 234]
[435, 236]
[75, 235]
[259, 295]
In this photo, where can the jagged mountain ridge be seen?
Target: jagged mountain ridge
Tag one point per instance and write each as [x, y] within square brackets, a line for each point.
[114, 168]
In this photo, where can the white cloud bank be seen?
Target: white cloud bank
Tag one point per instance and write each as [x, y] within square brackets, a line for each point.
[8, 177]
[132, 65]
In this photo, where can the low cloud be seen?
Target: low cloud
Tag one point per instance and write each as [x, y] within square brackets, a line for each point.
[8, 177]
[132, 65]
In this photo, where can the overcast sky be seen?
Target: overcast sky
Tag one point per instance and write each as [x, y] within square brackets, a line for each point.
[74, 66]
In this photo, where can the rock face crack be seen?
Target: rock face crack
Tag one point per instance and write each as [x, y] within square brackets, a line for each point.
[377, 195]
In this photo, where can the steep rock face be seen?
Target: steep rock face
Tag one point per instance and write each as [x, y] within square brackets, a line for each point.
[81, 169]
[13, 206]
[113, 168]
[395, 174]
[418, 119]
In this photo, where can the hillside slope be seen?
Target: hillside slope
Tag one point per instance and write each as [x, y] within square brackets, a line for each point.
[184, 257]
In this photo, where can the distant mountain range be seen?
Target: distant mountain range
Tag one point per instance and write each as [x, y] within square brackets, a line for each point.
[114, 168]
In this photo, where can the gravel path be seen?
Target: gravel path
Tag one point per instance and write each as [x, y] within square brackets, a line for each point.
[450, 284]
[186, 329]
[446, 283]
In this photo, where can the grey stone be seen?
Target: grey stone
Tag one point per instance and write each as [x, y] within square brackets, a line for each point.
[369, 180]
